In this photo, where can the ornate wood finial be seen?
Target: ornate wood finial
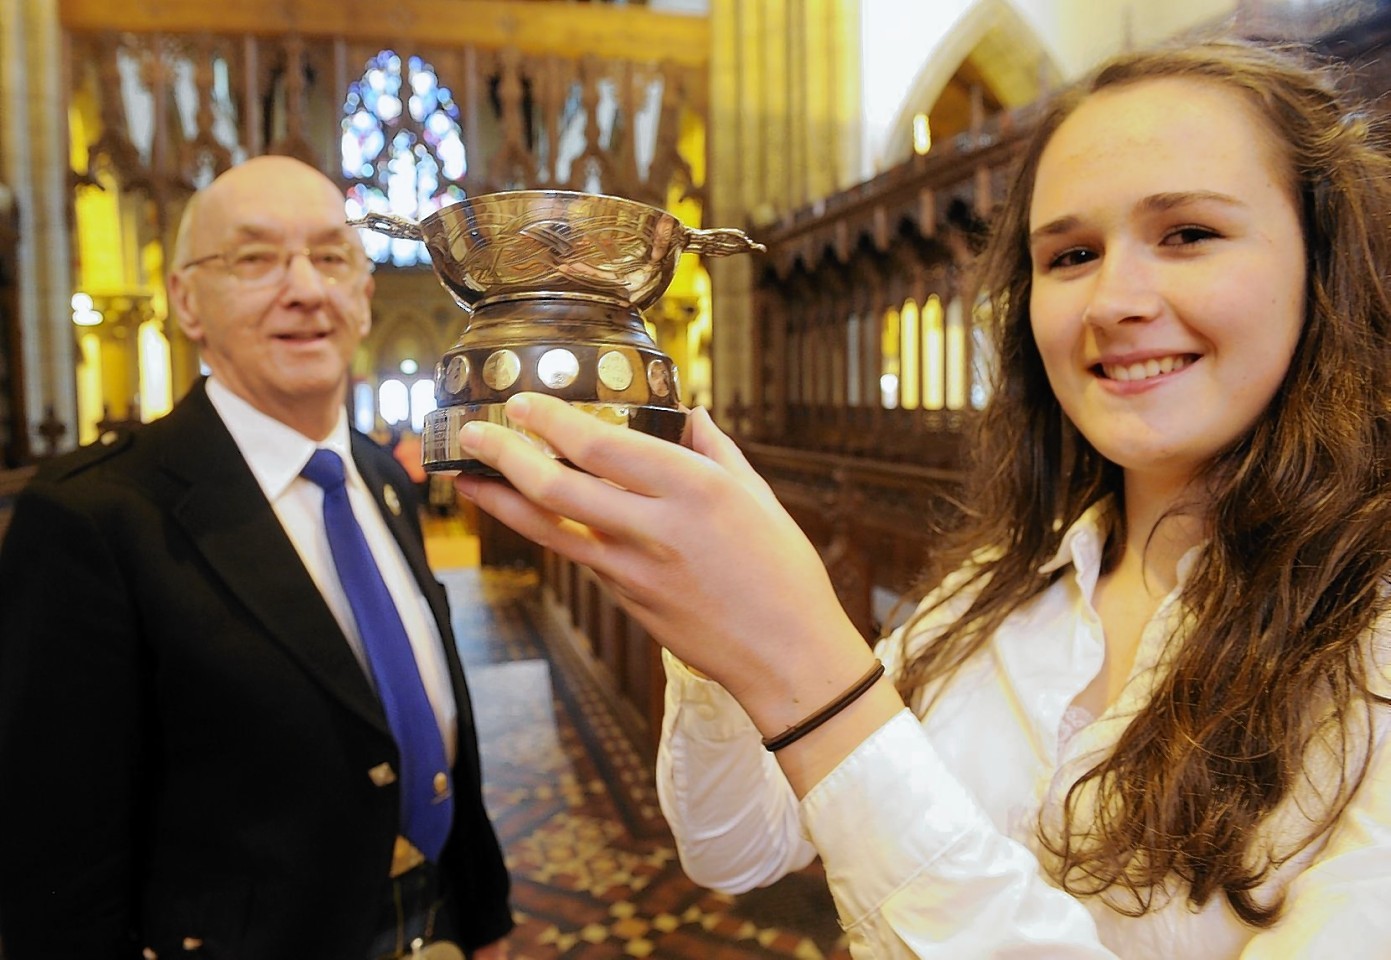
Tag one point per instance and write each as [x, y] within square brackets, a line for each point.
[52, 430]
[293, 143]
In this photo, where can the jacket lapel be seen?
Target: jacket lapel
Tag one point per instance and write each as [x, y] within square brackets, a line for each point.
[228, 518]
[404, 527]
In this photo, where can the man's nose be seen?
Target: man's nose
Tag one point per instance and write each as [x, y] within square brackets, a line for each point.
[303, 282]
[1124, 288]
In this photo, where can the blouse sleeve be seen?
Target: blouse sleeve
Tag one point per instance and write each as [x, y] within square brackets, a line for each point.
[918, 870]
[732, 812]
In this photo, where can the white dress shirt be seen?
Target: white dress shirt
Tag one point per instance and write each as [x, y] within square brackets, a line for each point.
[276, 454]
[928, 829]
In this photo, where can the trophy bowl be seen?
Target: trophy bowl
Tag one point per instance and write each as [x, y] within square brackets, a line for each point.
[554, 284]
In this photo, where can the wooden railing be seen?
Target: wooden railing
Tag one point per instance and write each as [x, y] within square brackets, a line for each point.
[614, 648]
[867, 336]
[873, 520]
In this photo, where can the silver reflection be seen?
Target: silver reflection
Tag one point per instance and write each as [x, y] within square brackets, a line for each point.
[558, 368]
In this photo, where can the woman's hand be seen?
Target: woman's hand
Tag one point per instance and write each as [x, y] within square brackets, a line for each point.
[691, 541]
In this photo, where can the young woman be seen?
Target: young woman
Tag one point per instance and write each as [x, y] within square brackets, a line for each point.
[1145, 711]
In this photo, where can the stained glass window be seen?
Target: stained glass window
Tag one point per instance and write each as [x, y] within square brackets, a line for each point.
[403, 152]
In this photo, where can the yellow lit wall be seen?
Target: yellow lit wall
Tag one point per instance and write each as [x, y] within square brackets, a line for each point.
[932, 352]
[97, 215]
[98, 235]
[890, 367]
[156, 391]
[926, 351]
[103, 383]
[691, 282]
[156, 366]
[152, 269]
[119, 370]
[910, 377]
[696, 384]
[958, 360]
[88, 387]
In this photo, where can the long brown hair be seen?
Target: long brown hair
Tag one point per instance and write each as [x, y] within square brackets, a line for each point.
[1280, 604]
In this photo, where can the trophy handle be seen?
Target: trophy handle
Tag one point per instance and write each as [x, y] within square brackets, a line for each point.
[720, 242]
[391, 225]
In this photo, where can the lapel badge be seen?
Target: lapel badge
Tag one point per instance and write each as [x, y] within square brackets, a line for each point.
[382, 775]
[393, 502]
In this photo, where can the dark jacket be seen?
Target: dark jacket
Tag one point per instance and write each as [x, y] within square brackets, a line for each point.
[185, 734]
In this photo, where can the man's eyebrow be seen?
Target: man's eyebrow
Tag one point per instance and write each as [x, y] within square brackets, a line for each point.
[1154, 203]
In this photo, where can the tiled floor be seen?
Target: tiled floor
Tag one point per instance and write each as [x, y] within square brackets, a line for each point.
[594, 871]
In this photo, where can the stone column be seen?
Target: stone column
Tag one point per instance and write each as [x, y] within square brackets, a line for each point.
[34, 164]
[783, 133]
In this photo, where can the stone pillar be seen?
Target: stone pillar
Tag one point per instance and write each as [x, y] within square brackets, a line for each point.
[34, 164]
[783, 134]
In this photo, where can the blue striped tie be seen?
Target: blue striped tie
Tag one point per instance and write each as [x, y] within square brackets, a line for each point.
[427, 805]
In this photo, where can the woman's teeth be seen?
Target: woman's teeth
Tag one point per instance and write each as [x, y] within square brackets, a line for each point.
[1144, 369]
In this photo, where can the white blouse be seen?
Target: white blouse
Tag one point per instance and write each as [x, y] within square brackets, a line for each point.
[928, 829]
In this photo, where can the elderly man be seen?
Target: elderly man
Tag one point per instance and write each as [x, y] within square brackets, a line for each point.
[233, 723]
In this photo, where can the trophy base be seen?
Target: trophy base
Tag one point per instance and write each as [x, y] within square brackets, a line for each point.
[441, 452]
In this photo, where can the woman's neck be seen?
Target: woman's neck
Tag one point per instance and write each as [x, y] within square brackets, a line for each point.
[1163, 521]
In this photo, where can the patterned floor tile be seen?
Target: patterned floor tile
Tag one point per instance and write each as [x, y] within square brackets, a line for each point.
[595, 873]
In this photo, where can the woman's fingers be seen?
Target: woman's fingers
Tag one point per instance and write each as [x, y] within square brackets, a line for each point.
[633, 460]
[577, 541]
[550, 485]
[712, 442]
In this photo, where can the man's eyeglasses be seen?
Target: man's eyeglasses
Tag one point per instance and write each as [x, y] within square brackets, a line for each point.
[269, 263]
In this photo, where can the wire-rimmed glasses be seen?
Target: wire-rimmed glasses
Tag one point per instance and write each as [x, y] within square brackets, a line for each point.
[269, 263]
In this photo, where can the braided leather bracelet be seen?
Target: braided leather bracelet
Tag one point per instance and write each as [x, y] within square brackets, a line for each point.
[799, 730]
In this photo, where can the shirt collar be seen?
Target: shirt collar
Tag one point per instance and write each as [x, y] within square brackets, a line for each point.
[276, 453]
[1084, 541]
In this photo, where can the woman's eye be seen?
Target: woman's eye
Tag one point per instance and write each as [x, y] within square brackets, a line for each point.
[1071, 258]
[1185, 236]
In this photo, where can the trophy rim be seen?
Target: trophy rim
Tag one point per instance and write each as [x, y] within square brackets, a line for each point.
[629, 288]
[573, 195]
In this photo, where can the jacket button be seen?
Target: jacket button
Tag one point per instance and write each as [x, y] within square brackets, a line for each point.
[382, 775]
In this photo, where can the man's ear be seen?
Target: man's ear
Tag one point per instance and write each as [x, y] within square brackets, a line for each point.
[184, 303]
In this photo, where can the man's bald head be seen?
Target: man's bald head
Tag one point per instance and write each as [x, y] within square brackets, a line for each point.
[265, 179]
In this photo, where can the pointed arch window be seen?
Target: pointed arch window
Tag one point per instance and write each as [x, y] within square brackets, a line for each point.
[402, 149]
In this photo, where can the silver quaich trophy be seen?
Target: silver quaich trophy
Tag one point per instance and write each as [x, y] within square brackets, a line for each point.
[554, 284]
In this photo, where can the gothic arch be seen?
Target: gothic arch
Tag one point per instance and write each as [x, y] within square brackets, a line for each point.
[1002, 48]
[402, 334]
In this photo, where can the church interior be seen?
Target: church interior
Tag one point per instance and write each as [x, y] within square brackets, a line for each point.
[864, 143]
